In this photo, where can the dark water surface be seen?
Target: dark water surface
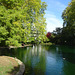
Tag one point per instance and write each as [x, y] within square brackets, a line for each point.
[45, 60]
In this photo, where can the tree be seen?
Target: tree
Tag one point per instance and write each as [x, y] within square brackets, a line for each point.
[69, 14]
[68, 32]
[17, 17]
[48, 35]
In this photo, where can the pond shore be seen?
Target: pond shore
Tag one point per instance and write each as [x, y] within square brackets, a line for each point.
[20, 46]
[17, 47]
[27, 45]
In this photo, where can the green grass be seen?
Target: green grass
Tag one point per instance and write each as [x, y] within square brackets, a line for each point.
[8, 66]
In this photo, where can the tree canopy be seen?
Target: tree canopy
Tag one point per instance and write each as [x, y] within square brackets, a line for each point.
[69, 23]
[18, 18]
[69, 14]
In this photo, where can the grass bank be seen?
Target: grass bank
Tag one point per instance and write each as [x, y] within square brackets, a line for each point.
[8, 66]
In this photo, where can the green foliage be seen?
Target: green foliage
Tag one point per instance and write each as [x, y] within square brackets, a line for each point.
[12, 42]
[3, 33]
[69, 14]
[68, 33]
[17, 18]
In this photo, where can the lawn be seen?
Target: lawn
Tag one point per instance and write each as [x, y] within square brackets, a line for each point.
[8, 66]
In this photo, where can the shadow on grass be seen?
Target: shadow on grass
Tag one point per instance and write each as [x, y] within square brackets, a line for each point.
[14, 70]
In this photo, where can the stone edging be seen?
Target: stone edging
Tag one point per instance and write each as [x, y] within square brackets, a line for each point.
[22, 67]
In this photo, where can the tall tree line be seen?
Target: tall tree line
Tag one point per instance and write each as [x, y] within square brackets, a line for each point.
[17, 20]
[66, 35]
[68, 16]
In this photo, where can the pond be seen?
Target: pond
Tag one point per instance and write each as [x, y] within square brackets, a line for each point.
[45, 60]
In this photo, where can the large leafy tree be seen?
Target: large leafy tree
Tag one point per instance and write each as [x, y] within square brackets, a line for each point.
[17, 17]
[11, 19]
[36, 10]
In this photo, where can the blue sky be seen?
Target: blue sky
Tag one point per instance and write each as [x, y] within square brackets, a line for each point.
[54, 12]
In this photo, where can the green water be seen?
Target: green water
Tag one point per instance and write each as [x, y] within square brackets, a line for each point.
[45, 60]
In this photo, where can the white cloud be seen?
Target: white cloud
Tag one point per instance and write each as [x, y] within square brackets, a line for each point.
[53, 14]
[53, 22]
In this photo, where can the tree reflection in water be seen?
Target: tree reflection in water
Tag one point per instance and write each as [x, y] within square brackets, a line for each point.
[45, 60]
[36, 60]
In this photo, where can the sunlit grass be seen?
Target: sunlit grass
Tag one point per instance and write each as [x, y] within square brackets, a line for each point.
[8, 66]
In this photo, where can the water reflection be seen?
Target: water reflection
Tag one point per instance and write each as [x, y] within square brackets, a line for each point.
[45, 60]
[35, 58]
